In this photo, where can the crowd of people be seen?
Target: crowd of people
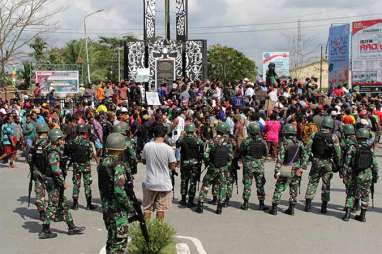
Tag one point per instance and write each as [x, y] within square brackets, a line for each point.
[202, 124]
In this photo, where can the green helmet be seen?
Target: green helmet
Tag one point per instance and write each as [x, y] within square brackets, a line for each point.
[289, 129]
[42, 127]
[348, 130]
[121, 128]
[327, 123]
[55, 134]
[190, 128]
[82, 128]
[253, 129]
[222, 128]
[363, 133]
[116, 142]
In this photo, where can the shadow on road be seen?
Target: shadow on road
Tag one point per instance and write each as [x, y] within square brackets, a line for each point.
[27, 213]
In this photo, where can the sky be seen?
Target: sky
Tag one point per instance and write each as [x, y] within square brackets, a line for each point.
[251, 26]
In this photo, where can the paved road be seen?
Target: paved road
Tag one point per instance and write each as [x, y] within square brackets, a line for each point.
[235, 231]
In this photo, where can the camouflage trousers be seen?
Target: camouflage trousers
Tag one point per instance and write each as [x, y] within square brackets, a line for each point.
[79, 171]
[363, 182]
[189, 176]
[248, 175]
[117, 231]
[349, 190]
[281, 186]
[40, 192]
[217, 177]
[321, 169]
[54, 206]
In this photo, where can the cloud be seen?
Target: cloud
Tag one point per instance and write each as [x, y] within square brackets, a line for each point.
[329, 4]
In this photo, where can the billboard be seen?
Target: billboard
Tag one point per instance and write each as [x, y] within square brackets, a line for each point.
[367, 56]
[338, 53]
[280, 59]
[63, 82]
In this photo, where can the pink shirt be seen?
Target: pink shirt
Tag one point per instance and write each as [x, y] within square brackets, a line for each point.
[272, 129]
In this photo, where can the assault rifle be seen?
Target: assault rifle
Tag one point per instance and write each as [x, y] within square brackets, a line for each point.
[234, 168]
[30, 185]
[173, 174]
[138, 214]
[372, 194]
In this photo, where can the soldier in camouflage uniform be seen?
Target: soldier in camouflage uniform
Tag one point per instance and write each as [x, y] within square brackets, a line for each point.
[113, 174]
[39, 187]
[253, 151]
[347, 142]
[325, 150]
[55, 183]
[218, 157]
[361, 162]
[191, 152]
[292, 155]
[82, 152]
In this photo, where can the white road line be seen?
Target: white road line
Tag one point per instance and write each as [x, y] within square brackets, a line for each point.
[182, 248]
[196, 242]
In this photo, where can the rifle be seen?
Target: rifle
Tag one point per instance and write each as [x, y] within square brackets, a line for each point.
[138, 216]
[173, 174]
[234, 168]
[30, 186]
[372, 194]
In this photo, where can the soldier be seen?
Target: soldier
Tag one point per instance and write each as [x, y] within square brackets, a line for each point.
[290, 162]
[130, 154]
[113, 175]
[37, 168]
[81, 153]
[325, 148]
[55, 186]
[191, 152]
[253, 151]
[361, 161]
[218, 157]
[346, 174]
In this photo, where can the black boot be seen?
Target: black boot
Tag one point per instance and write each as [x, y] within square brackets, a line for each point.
[362, 216]
[74, 230]
[219, 209]
[262, 206]
[290, 210]
[226, 202]
[347, 214]
[273, 211]
[46, 233]
[190, 203]
[75, 204]
[89, 205]
[183, 202]
[214, 201]
[356, 206]
[244, 206]
[308, 205]
[199, 209]
[324, 207]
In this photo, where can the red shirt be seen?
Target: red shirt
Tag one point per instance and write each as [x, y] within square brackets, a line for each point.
[339, 92]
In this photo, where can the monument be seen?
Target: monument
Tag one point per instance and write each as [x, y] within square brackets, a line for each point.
[167, 59]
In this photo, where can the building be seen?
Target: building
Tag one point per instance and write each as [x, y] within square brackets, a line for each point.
[313, 70]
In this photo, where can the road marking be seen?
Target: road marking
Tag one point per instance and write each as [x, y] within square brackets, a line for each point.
[182, 248]
[196, 242]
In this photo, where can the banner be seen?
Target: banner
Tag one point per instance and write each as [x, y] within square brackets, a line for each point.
[280, 59]
[339, 50]
[367, 56]
[143, 75]
[152, 99]
[63, 82]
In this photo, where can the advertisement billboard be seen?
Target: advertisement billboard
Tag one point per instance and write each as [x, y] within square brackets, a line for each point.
[280, 59]
[339, 55]
[63, 82]
[367, 56]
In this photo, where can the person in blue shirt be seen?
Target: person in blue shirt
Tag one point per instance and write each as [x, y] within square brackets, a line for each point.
[7, 139]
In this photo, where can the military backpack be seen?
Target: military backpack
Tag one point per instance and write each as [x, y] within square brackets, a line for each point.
[363, 158]
[322, 147]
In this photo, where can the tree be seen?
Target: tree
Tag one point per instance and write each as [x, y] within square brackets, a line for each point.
[39, 46]
[228, 64]
[21, 21]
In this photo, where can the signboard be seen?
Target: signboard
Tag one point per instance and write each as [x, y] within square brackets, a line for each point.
[164, 71]
[338, 47]
[367, 56]
[63, 82]
[280, 59]
[152, 99]
[143, 75]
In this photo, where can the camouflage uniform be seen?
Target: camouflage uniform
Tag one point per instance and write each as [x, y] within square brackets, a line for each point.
[116, 210]
[131, 154]
[346, 173]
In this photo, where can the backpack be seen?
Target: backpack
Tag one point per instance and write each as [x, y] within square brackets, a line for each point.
[40, 159]
[363, 158]
[322, 146]
[220, 156]
[78, 153]
[257, 149]
[189, 149]
[106, 180]
[292, 153]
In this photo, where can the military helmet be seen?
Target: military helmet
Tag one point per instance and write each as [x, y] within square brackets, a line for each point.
[327, 123]
[363, 133]
[82, 128]
[121, 128]
[253, 129]
[190, 128]
[289, 129]
[222, 128]
[116, 142]
[55, 134]
[42, 127]
[348, 130]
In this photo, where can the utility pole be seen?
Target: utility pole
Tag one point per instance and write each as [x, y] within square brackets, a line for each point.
[167, 19]
[321, 63]
[299, 44]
